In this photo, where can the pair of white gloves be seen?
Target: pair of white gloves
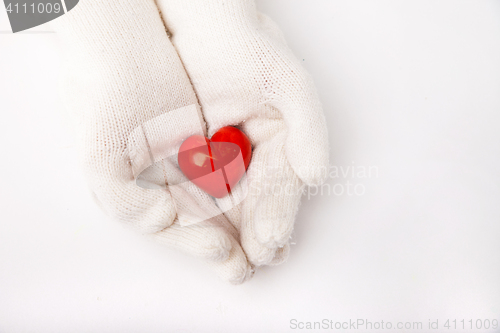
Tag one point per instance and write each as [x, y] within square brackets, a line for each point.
[128, 63]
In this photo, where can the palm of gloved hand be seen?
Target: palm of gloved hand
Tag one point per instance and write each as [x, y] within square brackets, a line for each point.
[244, 74]
[122, 74]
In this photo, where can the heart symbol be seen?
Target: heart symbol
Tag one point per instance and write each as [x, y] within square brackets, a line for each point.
[216, 165]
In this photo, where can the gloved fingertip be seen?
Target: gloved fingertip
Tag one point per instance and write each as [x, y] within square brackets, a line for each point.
[281, 255]
[274, 233]
[261, 256]
[219, 252]
[243, 275]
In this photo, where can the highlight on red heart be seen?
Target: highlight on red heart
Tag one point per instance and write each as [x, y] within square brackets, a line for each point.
[216, 165]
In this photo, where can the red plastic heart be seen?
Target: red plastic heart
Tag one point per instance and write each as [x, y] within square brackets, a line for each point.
[216, 165]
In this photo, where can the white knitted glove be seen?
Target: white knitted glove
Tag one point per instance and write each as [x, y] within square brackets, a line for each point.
[244, 74]
[125, 83]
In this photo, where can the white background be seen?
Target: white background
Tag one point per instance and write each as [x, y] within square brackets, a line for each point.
[410, 87]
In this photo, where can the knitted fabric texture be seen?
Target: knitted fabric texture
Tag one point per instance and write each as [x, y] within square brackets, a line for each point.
[121, 72]
[244, 74]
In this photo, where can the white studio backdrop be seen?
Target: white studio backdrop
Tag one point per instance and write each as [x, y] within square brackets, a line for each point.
[407, 228]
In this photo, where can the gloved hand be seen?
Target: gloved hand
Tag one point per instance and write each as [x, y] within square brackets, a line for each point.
[244, 74]
[125, 83]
